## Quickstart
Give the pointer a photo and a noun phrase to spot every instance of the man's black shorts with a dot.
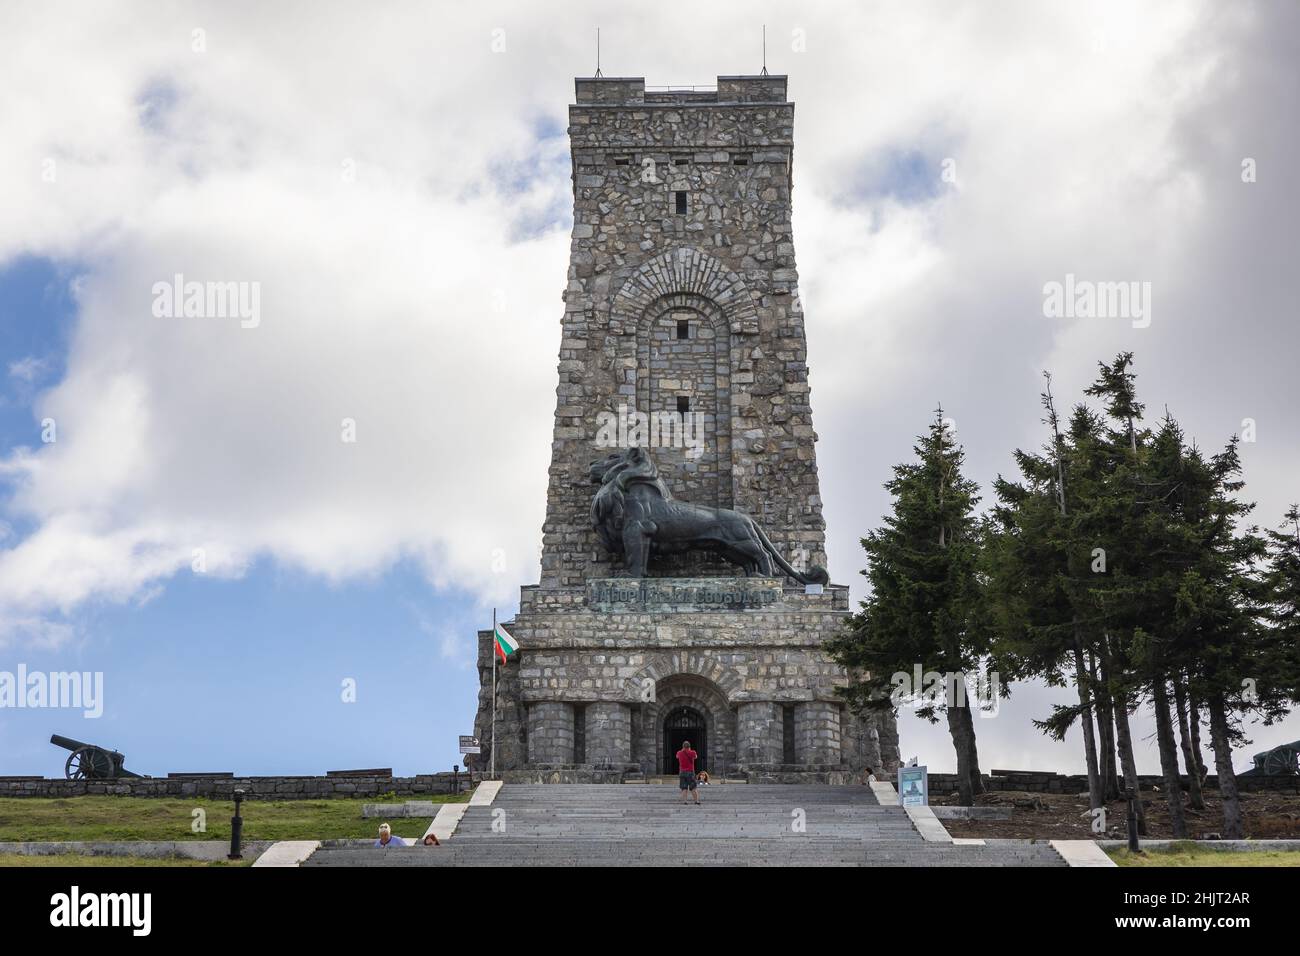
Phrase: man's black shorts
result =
(686, 780)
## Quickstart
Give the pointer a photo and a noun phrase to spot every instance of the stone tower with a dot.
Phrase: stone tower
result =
(681, 306)
(682, 214)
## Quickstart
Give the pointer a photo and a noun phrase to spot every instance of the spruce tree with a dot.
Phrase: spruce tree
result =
(1236, 660)
(1281, 597)
(1038, 564)
(924, 610)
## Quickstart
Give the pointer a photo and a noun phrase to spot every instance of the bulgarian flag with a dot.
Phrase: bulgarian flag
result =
(506, 644)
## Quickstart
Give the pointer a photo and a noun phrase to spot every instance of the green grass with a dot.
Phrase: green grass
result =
(73, 859)
(1190, 854)
(30, 819)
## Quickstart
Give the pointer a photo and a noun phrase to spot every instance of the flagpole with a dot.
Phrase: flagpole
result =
(493, 758)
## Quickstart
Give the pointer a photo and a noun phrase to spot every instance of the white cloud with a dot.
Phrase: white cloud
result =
(373, 173)
(380, 245)
(27, 369)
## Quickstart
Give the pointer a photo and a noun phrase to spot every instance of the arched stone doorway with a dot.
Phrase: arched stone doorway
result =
(682, 724)
(691, 702)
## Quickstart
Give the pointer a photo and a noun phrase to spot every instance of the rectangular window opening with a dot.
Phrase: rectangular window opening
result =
(787, 734)
(683, 329)
(579, 733)
(683, 404)
(681, 203)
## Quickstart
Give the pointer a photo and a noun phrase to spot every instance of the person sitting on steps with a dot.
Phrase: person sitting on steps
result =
(386, 839)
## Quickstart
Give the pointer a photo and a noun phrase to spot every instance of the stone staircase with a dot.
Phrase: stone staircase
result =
(645, 825)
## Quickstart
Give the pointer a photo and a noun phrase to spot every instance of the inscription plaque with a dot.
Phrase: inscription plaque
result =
(666, 595)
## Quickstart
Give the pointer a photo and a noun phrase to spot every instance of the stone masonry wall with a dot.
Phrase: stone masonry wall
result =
(760, 726)
(609, 734)
(638, 266)
(1030, 781)
(736, 667)
(817, 732)
(550, 732)
(255, 788)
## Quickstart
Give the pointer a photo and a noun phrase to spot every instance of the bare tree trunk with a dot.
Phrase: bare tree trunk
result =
(1125, 739)
(1112, 713)
(957, 729)
(1194, 724)
(1110, 764)
(1194, 795)
(972, 751)
(1105, 730)
(1221, 741)
(1095, 798)
(1168, 757)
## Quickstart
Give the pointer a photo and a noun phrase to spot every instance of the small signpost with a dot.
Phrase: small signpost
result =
(913, 786)
(470, 745)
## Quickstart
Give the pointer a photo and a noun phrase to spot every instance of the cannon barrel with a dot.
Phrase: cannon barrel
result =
(67, 743)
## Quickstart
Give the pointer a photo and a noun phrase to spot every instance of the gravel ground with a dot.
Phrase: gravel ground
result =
(1269, 816)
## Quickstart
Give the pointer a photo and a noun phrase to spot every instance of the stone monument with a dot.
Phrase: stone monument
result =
(682, 594)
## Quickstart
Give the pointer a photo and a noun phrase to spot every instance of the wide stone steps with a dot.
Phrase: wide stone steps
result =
(646, 825)
(697, 852)
(731, 794)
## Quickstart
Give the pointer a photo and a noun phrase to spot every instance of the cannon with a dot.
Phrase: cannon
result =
(1281, 761)
(90, 762)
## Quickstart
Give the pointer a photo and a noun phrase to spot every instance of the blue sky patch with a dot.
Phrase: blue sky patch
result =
(37, 314)
(155, 104)
(907, 176)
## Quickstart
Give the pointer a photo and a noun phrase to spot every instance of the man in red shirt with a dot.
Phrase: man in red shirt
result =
(686, 772)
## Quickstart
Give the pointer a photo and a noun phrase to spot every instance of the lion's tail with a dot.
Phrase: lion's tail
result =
(816, 574)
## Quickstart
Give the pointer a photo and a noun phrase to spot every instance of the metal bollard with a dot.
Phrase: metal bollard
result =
(1132, 821)
(236, 829)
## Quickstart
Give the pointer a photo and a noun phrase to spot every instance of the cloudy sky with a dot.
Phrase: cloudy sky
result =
(394, 178)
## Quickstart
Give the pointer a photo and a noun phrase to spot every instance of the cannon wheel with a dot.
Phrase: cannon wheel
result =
(87, 763)
(1279, 762)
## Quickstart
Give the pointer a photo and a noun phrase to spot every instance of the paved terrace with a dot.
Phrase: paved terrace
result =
(645, 825)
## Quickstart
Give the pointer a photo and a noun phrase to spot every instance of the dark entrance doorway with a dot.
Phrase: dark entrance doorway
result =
(682, 724)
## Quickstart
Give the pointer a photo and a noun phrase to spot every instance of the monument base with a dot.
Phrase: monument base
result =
(611, 678)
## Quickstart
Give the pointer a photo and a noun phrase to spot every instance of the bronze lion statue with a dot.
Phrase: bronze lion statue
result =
(636, 515)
